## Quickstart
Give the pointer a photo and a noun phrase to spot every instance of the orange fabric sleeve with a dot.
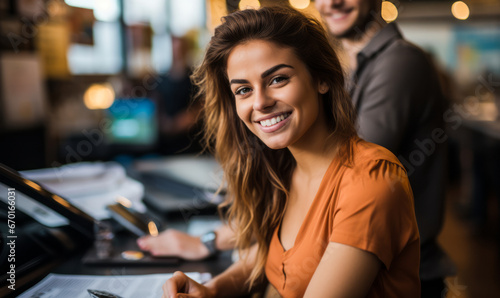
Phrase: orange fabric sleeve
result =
(374, 211)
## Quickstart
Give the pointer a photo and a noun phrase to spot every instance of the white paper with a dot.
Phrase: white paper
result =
(80, 179)
(126, 286)
(91, 186)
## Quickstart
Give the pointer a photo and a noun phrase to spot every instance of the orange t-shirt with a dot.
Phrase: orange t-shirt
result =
(368, 205)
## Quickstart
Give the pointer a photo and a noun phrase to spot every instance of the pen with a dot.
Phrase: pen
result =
(101, 294)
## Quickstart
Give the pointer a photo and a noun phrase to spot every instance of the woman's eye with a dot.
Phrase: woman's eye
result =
(242, 91)
(279, 79)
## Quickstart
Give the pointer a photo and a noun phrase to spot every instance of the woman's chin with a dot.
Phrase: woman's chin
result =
(276, 146)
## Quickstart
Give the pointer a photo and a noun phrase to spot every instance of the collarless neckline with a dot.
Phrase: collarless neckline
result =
(296, 241)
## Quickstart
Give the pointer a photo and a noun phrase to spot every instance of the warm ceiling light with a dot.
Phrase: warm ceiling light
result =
(99, 96)
(389, 11)
(245, 4)
(299, 4)
(88, 4)
(460, 10)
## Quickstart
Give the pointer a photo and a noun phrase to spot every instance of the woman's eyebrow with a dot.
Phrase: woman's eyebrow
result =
(237, 81)
(263, 75)
(273, 69)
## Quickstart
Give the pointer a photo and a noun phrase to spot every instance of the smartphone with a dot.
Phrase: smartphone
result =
(131, 220)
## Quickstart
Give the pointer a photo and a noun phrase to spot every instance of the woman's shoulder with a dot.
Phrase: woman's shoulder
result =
(372, 161)
(375, 175)
(365, 153)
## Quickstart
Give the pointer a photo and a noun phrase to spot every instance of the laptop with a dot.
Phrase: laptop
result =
(183, 184)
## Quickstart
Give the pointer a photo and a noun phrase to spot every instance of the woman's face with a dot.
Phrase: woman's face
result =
(276, 96)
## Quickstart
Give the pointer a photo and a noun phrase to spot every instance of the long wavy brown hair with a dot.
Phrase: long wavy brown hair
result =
(258, 178)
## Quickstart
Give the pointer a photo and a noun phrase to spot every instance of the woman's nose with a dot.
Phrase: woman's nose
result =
(262, 101)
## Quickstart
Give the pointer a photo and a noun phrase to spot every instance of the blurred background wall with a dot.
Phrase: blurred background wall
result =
(64, 64)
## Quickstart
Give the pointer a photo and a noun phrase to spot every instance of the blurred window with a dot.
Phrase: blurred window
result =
(149, 26)
(187, 15)
(103, 57)
(96, 45)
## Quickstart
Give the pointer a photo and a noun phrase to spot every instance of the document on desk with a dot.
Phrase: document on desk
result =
(126, 286)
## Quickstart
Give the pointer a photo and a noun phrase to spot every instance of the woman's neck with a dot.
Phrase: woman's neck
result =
(314, 155)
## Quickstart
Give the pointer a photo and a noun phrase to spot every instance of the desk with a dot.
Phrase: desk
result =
(40, 250)
(73, 265)
(57, 262)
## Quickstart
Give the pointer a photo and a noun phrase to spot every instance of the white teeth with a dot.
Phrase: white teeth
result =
(273, 121)
(338, 15)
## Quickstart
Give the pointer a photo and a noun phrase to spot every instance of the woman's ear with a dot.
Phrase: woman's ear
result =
(323, 87)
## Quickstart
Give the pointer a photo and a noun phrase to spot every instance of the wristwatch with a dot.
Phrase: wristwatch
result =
(208, 239)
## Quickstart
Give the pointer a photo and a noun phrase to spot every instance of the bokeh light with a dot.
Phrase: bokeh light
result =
(460, 10)
(299, 4)
(389, 11)
(99, 96)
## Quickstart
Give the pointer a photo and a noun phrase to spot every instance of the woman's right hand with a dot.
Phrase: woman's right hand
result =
(180, 285)
(174, 243)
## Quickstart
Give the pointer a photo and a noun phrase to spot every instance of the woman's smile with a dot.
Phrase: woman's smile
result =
(274, 123)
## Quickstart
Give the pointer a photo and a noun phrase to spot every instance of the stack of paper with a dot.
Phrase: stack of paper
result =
(90, 186)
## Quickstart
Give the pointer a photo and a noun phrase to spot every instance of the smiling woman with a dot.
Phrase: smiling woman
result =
(315, 209)
(275, 95)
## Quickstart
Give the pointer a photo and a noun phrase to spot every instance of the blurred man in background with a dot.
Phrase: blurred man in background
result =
(400, 106)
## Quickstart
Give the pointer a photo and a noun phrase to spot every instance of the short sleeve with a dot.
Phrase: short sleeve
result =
(374, 211)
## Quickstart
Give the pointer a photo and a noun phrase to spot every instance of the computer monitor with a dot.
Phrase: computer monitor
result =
(133, 123)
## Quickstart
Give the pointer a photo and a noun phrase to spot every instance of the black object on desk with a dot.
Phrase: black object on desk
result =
(181, 184)
(28, 190)
(42, 227)
(133, 221)
(101, 294)
(168, 195)
(45, 229)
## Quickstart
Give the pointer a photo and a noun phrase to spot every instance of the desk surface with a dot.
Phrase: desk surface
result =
(74, 264)
(53, 242)
(214, 266)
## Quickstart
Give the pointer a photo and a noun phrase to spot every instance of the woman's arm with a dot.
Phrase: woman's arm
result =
(172, 242)
(344, 271)
(230, 283)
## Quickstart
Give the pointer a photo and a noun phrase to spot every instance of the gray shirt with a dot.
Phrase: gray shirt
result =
(400, 106)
